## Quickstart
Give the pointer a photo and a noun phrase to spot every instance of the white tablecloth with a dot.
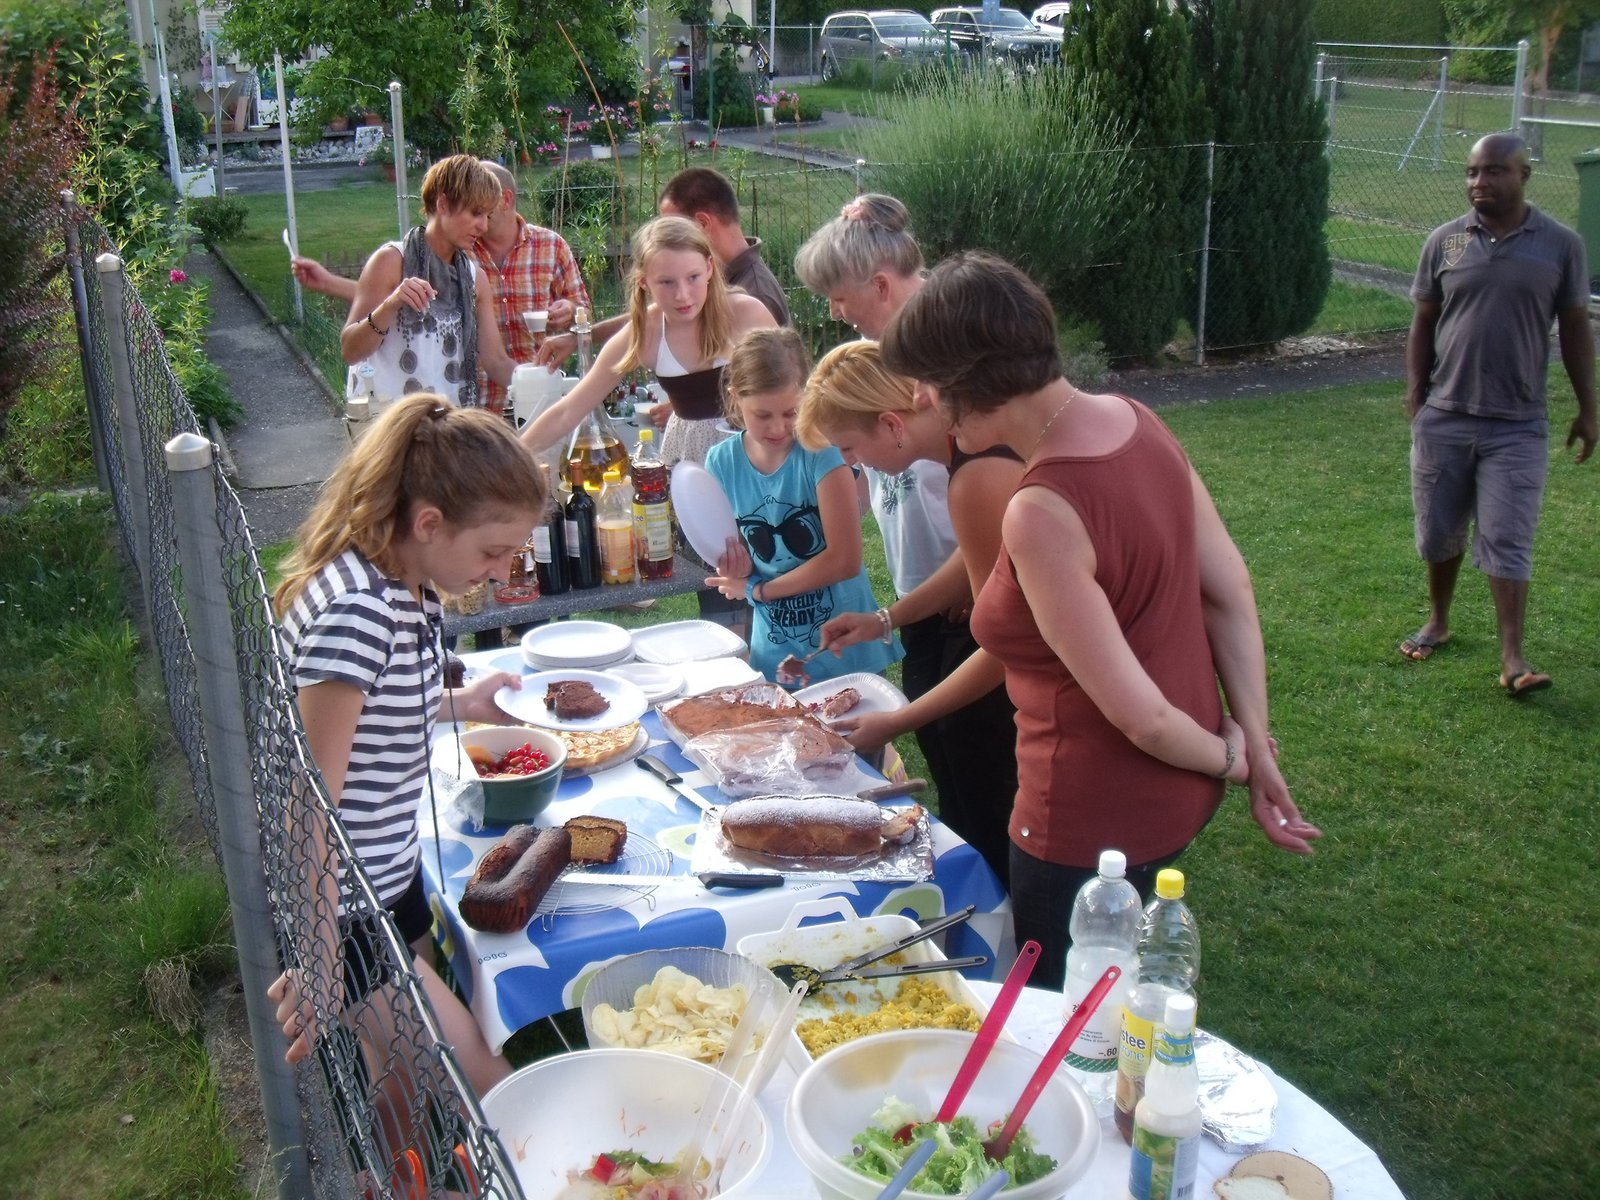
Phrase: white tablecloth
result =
(1304, 1127)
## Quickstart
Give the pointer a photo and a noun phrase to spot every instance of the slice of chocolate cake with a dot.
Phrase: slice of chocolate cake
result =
(575, 700)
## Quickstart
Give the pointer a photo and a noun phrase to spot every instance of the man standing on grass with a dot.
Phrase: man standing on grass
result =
(1487, 288)
(532, 269)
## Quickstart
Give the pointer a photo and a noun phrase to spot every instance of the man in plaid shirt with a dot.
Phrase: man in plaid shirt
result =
(532, 269)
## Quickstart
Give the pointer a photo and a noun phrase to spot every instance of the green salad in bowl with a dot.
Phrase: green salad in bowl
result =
(958, 1164)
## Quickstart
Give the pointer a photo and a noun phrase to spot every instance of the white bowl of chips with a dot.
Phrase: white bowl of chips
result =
(682, 1000)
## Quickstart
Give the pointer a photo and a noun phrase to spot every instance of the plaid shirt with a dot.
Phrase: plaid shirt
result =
(540, 268)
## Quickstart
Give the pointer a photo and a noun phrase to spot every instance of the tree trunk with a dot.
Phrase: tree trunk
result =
(1539, 79)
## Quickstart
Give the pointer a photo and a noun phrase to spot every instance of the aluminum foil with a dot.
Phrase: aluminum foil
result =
(1237, 1101)
(908, 862)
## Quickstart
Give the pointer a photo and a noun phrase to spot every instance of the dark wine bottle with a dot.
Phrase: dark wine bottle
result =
(583, 540)
(550, 546)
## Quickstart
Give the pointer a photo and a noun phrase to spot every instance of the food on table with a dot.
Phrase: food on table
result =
(729, 708)
(625, 1175)
(521, 760)
(807, 827)
(596, 839)
(1274, 1175)
(958, 1164)
(775, 753)
(591, 748)
(917, 1003)
(575, 700)
(513, 877)
(677, 1013)
(837, 704)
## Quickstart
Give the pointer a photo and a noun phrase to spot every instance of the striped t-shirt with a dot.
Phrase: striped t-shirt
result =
(351, 624)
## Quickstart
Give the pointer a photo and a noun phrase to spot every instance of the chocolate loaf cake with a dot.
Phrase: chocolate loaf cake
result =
(513, 877)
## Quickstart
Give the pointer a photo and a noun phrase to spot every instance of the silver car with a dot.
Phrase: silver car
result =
(894, 35)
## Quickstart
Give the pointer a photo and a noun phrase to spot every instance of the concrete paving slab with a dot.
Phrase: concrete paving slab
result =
(287, 455)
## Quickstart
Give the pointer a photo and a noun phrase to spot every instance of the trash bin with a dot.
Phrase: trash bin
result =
(1588, 166)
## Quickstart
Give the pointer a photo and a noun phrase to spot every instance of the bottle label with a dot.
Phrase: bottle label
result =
(541, 544)
(1133, 1058)
(1095, 1049)
(573, 551)
(1176, 1049)
(652, 528)
(1163, 1167)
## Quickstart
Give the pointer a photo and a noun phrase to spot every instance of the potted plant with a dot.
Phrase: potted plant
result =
(767, 107)
(381, 153)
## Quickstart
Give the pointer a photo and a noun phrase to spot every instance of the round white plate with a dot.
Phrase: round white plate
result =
(534, 662)
(658, 683)
(576, 643)
(527, 705)
(703, 510)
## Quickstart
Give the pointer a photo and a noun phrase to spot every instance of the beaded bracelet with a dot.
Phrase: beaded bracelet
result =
(887, 635)
(373, 325)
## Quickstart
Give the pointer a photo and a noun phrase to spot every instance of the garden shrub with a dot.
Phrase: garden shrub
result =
(957, 140)
(217, 218)
(586, 191)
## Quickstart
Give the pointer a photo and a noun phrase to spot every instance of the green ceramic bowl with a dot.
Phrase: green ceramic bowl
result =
(512, 799)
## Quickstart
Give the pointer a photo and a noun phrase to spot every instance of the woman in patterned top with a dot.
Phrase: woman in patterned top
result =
(431, 496)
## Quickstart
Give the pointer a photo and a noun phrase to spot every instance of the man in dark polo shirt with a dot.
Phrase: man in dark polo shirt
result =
(1488, 286)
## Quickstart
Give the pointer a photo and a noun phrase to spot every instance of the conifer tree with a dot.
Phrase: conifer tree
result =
(1136, 55)
(1268, 268)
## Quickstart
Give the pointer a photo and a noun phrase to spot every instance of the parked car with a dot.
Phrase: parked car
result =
(863, 36)
(1056, 18)
(1009, 37)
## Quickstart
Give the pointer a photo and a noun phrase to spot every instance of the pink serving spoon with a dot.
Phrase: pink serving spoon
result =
(989, 1031)
(996, 1147)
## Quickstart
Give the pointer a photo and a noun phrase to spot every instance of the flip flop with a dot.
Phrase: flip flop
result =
(1519, 685)
(1419, 647)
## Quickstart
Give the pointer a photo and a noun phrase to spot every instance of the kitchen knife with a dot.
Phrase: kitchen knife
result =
(710, 879)
(649, 762)
(888, 791)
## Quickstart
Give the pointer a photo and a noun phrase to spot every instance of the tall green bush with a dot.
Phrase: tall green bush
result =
(1135, 55)
(1401, 22)
(1031, 168)
(1268, 266)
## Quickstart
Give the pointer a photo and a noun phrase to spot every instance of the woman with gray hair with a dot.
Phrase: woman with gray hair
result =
(868, 264)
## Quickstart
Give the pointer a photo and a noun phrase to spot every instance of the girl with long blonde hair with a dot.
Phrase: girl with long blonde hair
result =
(683, 323)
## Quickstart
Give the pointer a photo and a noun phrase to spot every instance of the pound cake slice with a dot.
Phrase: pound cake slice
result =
(596, 839)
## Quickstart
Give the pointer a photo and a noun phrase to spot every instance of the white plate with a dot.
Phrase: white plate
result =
(677, 642)
(877, 693)
(708, 676)
(658, 683)
(527, 705)
(703, 510)
(575, 643)
(535, 662)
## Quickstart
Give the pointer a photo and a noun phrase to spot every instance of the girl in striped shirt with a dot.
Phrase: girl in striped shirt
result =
(431, 496)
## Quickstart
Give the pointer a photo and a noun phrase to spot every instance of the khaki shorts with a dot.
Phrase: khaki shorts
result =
(1481, 471)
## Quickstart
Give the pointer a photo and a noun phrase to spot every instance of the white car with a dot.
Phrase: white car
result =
(1056, 18)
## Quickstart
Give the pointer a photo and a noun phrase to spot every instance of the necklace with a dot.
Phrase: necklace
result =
(1038, 441)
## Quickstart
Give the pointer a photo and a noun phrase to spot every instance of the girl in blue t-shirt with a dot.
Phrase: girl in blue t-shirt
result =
(797, 558)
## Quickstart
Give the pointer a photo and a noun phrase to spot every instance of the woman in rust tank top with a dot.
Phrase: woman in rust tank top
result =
(1117, 605)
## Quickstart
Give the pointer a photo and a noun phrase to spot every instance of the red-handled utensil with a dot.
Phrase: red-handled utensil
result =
(996, 1147)
(989, 1031)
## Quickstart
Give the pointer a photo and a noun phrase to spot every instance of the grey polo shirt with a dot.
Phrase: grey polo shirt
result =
(754, 276)
(1497, 300)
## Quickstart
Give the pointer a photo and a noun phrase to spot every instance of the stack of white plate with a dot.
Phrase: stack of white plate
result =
(679, 642)
(576, 645)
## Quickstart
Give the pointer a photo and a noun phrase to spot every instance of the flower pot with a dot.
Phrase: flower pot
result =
(372, 118)
(339, 124)
(388, 172)
(768, 115)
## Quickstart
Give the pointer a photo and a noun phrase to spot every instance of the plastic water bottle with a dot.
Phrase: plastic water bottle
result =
(1105, 932)
(1166, 1125)
(1169, 965)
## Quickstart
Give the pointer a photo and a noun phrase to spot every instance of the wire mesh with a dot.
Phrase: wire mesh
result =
(387, 1109)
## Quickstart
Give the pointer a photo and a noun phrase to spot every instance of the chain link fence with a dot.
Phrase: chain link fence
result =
(380, 1107)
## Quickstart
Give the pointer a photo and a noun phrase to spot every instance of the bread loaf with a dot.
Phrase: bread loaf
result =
(513, 877)
(797, 827)
(596, 839)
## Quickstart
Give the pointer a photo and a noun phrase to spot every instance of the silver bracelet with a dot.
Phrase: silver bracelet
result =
(1233, 756)
(888, 626)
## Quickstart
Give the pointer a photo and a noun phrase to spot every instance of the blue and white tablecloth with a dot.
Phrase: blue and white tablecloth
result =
(511, 980)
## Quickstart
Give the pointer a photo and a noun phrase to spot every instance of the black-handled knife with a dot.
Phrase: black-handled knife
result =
(649, 762)
(710, 879)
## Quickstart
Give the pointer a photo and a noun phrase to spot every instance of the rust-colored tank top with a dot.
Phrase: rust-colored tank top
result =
(1082, 786)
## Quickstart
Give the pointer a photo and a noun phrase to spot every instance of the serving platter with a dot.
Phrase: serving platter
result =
(908, 862)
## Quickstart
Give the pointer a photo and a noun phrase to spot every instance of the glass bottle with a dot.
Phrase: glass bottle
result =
(652, 511)
(614, 526)
(521, 583)
(550, 545)
(583, 548)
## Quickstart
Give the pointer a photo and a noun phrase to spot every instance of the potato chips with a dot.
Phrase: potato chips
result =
(676, 1013)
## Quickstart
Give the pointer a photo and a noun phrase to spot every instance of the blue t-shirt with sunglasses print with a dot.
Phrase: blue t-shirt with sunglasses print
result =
(781, 525)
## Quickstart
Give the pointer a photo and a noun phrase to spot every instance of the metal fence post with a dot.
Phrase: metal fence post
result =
(1518, 86)
(861, 175)
(398, 125)
(113, 283)
(1333, 105)
(1205, 260)
(228, 759)
(1438, 116)
(80, 319)
(1322, 70)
